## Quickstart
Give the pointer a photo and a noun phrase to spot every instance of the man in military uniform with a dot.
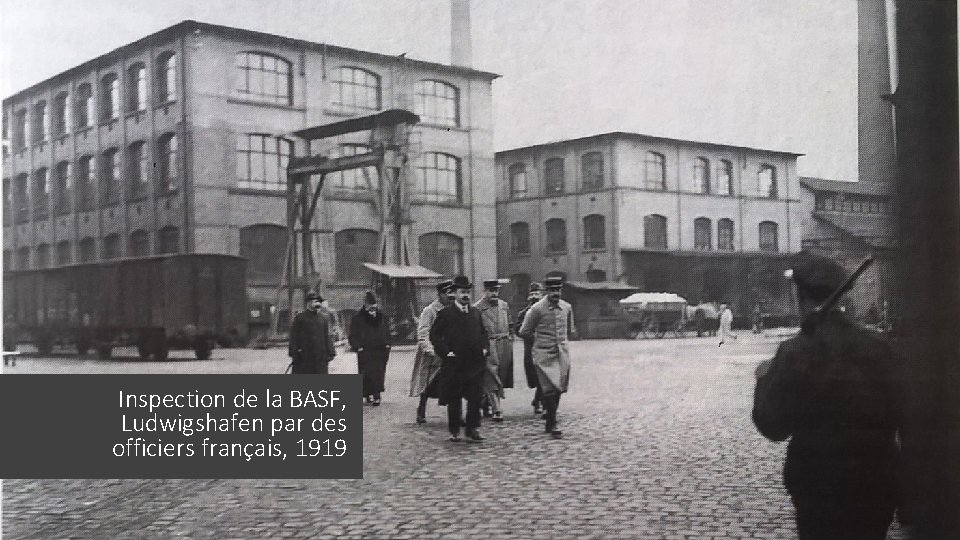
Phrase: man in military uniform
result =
(311, 343)
(833, 390)
(535, 293)
(495, 314)
(549, 322)
(426, 364)
(460, 340)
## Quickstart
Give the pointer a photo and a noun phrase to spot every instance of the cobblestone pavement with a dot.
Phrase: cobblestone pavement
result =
(658, 444)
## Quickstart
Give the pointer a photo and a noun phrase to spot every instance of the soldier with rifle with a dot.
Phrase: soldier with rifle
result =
(833, 391)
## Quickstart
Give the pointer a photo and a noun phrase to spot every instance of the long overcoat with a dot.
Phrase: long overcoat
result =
(496, 319)
(371, 334)
(529, 370)
(834, 392)
(311, 346)
(550, 325)
(426, 364)
(463, 335)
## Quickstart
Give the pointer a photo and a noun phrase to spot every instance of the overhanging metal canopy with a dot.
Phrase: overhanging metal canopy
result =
(413, 271)
(390, 117)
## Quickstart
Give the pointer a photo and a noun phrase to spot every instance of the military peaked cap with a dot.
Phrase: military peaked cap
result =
(817, 275)
(491, 284)
(444, 285)
(553, 282)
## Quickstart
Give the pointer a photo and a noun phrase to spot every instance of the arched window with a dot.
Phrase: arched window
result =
(168, 240)
(110, 177)
(264, 246)
(442, 252)
(553, 176)
(725, 234)
(655, 232)
(556, 236)
(21, 197)
(724, 178)
(354, 179)
(88, 250)
(64, 252)
(111, 246)
(86, 186)
(166, 77)
(518, 180)
(40, 130)
(352, 248)
(264, 77)
(701, 175)
(136, 87)
(84, 106)
(61, 114)
(109, 97)
(519, 238)
(655, 173)
(767, 181)
(43, 256)
(139, 244)
(41, 193)
(594, 232)
(355, 89)
(439, 178)
(23, 258)
(436, 102)
(167, 177)
(702, 234)
(138, 169)
(768, 236)
(262, 161)
(591, 168)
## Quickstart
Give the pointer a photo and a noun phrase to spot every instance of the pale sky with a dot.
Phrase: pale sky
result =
(774, 74)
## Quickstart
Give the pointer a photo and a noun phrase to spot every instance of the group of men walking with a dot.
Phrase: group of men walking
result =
(465, 352)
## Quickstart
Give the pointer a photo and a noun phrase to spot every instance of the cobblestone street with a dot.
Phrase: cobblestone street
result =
(658, 444)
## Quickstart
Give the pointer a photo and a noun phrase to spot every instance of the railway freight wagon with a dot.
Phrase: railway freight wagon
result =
(156, 303)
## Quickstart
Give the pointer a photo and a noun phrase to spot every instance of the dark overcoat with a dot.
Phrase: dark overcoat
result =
(311, 345)
(835, 393)
(370, 338)
(463, 335)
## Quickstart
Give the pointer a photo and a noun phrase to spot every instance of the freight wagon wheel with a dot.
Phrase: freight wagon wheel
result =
(143, 349)
(44, 346)
(83, 346)
(160, 349)
(104, 351)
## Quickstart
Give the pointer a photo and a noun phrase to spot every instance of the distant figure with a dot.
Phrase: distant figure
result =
(311, 344)
(534, 295)
(834, 391)
(550, 323)
(726, 323)
(757, 320)
(10, 337)
(459, 338)
(495, 314)
(369, 337)
(424, 382)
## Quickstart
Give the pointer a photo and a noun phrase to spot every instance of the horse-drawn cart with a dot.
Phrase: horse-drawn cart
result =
(654, 315)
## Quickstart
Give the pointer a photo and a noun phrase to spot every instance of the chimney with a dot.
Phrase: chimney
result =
(460, 50)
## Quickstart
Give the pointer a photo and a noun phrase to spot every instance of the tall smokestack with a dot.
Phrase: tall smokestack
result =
(875, 114)
(460, 49)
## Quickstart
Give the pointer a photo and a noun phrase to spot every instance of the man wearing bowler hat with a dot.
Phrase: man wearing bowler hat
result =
(833, 391)
(534, 294)
(426, 364)
(549, 322)
(460, 340)
(311, 344)
(495, 314)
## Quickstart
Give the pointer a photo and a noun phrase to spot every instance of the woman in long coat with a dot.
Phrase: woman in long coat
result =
(369, 337)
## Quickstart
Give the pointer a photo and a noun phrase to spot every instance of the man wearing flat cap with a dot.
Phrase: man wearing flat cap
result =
(311, 345)
(549, 322)
(426, 364)
(460, 340)
(833, 391)
(495, 314)
(534, 294)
